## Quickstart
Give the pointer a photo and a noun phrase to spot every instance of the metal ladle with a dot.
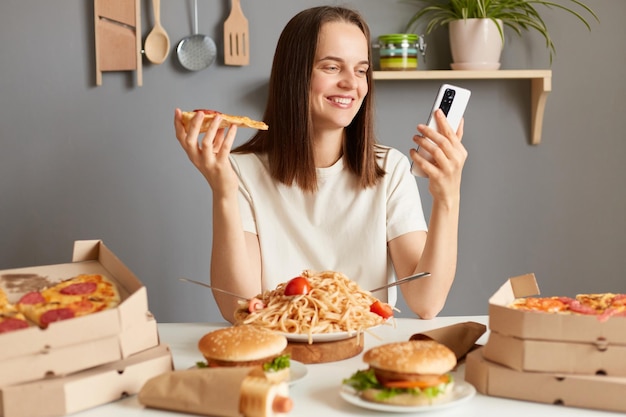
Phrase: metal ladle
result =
(196, 52)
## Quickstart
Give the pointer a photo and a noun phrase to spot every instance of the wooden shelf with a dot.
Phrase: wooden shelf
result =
(540, 86)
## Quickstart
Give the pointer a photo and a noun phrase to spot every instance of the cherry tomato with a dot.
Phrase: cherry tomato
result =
(298, 286)
(383, 310)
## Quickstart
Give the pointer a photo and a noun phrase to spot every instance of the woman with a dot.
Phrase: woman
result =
(316, 191)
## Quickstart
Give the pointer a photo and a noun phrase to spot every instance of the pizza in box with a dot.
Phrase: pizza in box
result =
(601, 305)
(74, 297)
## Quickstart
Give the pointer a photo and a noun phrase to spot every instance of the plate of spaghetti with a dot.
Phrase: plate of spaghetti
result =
(332, 308)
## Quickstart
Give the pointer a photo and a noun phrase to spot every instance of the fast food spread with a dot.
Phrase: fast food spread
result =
(78, 296)
(602, 305)
(313, 303)
(406, 373)
(227, 120)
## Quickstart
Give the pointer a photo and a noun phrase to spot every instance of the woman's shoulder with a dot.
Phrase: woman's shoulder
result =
(389, 156)
(248, 159)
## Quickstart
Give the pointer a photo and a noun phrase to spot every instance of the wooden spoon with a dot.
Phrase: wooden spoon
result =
(157, 44)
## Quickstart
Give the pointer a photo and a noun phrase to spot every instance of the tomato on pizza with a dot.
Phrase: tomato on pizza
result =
(227, 120)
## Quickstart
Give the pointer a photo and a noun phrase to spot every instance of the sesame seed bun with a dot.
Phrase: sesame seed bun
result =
(241, 345)
(425, 357)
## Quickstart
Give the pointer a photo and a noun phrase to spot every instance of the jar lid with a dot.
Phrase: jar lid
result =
(398, 38)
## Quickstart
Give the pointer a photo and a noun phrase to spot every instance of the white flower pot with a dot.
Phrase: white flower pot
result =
(475, 44)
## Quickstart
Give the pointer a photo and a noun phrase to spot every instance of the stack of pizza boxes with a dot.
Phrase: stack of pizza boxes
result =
(567, 359)
(82, 362)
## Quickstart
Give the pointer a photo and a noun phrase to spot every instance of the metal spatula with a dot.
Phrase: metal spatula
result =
(236, 37)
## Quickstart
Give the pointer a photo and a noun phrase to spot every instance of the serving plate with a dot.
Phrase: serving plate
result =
(319, 337)
(461, 392)
(297, 371)
(325, 337)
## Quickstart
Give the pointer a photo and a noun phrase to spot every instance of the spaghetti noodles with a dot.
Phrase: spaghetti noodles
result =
(334, 304)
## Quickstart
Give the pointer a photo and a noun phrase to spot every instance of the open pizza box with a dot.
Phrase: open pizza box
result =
(552, 342)
(58, 396)
(544, 326)
(584, 391)
(79, 343)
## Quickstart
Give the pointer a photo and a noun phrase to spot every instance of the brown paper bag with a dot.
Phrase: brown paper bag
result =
(210, 391)
(222, 392)
(460, 338)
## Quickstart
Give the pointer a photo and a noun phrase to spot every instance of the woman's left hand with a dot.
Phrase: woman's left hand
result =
(448, 154)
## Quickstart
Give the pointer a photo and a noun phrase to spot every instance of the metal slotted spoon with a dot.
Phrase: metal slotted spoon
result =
(196, 52)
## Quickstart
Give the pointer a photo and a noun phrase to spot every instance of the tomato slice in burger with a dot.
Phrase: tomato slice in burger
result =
(424, 383)
(383, 310)
(298, 286)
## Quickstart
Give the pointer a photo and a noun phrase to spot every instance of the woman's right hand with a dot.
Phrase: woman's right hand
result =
(209, 154)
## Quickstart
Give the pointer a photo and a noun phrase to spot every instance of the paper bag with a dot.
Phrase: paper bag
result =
(460, 338)
(220, 392)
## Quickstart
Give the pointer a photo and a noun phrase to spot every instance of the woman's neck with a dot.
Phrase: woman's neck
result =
(328, 148)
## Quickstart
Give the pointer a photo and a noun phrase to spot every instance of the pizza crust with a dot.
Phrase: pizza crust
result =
(227, 120)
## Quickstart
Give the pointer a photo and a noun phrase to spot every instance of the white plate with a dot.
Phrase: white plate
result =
(297, 371)
(319, 337)
(324, 337)
(461, 392)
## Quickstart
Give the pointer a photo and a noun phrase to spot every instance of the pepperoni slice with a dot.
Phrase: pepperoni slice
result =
(33, 297)
(80, 288)
(57, 314)
(11, 323)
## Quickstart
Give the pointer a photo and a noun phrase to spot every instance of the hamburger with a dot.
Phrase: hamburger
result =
(245, 345)
(406, 373)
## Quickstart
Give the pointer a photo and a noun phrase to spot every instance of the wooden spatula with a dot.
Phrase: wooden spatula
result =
(236, 37)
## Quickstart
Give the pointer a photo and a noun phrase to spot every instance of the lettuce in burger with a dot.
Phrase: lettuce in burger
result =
(406, 373)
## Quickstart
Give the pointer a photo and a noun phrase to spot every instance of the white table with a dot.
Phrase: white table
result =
(317, 394)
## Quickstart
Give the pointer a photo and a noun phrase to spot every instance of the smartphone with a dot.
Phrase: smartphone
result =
(453, 101)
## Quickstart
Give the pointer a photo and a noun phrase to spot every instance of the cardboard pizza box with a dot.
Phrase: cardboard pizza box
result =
(583, 391)
(60, 361)
(73, 345)
(58, 396)
(547, 326)
(595, 358)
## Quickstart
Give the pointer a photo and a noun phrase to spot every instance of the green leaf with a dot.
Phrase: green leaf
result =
(278, 363)
(518, 15)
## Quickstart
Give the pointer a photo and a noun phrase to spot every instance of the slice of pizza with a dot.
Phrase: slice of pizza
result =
(227, 120)
(544, 304)
(75, 297)
(10, 318)
(87, 293)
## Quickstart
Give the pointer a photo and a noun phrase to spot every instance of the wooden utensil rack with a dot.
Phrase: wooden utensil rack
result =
(117, 26)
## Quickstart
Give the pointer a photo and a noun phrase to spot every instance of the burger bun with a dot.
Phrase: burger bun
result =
(245, 345)
(424, 357)
(241, 345)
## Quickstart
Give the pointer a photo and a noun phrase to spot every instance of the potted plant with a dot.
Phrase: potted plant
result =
(486, 19)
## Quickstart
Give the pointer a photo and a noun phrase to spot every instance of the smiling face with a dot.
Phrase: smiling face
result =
(339, 77)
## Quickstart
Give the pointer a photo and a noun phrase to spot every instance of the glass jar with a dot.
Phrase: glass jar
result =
(398, 51)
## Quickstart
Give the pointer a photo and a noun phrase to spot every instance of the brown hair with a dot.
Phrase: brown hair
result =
(288, 142)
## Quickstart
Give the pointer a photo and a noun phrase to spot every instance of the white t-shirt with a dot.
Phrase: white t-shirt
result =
(341, 227)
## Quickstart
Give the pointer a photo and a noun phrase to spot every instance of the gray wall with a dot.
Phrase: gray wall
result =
(84, 162)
